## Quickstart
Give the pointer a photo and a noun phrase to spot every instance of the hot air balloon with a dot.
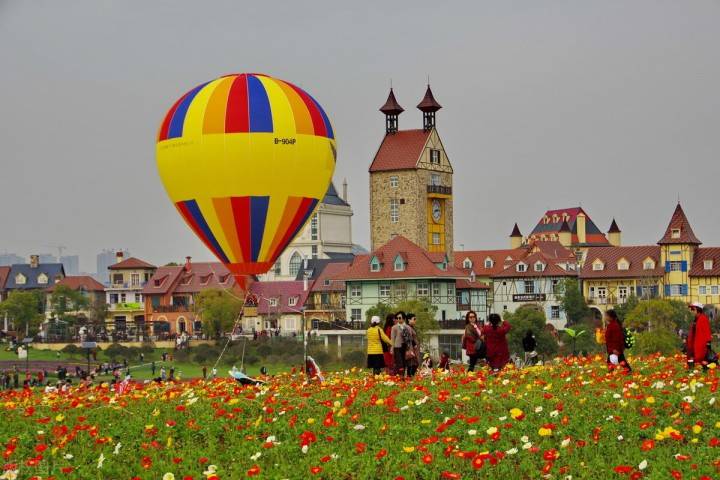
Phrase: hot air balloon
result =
(246, 158)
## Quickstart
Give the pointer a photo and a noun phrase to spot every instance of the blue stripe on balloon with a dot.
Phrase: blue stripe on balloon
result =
(258, 215)
(260, 112)
(197, 215)
(326, 120)
(176, 124)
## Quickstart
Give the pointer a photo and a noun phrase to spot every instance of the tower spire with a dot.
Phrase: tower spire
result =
(392, 110)
(428, 105)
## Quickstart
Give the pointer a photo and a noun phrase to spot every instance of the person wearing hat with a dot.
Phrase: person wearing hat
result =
(375, 339)
(699, 336)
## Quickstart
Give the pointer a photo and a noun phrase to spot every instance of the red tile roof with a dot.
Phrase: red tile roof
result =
(328, 275)
(698, 266)
(130, 263)
(428, 103)
(4, 272)
(400, 150)
(201, 276)
(391, 106)
(283, 292)
(499, 258)
(79, 282)
(551, 268)
(465, 284)
(553, 249)
(679, 221)
(593, 235)
(610, 256)
(418, 263)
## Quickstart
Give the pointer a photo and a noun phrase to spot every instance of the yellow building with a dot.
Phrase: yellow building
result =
(411, 182)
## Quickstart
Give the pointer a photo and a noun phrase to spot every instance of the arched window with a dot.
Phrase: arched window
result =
(295, 263)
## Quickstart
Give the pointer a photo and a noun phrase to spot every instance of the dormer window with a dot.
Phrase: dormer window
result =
(521, 267)
(435, 157)
(42, 279)
(224, 278)
(707, 264)
(399, 264)
(489, 262)
(186, 280)
(326, 282)
(467, 263)
(539, 266)
(555, 218)
(598, 265)
(648, 264)
(508, 258)
(273, 302)
(374, 265)
(623, 264)
(20, 279)
(292, 301)
(205, 280)
(675, 233)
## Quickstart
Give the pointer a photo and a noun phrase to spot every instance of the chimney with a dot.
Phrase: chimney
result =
(188, 264)
(34, 261)
(580, 227)
(305, 283)
(345, 197)
(119, 256)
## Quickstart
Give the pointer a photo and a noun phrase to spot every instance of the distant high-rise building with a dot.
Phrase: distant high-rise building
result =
(7, 259)
(48, 258)
(104, 260)
(71, 263)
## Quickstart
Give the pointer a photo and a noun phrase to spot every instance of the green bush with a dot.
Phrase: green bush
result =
(524, 319)
(657, 341)
(148, 348)
(72, 349)
(115, 351)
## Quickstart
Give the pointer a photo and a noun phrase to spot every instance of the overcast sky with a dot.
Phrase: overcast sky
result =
(614, 105)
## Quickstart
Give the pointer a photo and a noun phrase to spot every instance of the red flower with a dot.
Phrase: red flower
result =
(427, 459)
(146, 462)
(325, 459)
(40, 448)
(623, 469)
(478, 462)
(176, 460)
(647, 445)
(252, 471)
(66, 469)
(360, 447)
(315, 470)
(450, 475)
(676, 475)
(551, 454)
(203, 460)
(382, 453)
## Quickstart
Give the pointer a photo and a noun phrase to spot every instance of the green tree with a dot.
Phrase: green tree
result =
(623, 309)
(24, 309)
(218, 310)
(98, 313)
(660, 341)
(425, 314)
(381, 310)
(572, 301)
(66, 303)
(652, 315)
(530, 318)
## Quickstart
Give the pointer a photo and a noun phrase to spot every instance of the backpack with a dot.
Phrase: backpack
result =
(629, 338)
(406, 336)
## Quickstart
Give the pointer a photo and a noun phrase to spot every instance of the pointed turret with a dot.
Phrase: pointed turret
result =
(429, 106)
(679, 230)
(391, 109)
(614, 234)
(515, 237)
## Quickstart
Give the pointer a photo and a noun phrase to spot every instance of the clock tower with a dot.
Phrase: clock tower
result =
(411, 182)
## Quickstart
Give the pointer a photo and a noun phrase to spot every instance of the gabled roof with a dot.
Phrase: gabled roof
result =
(54, 271)
(679, 221)
(332, 198)
(553, 249)
(400, 150)
(499, 258)
(698, 267)
(610, 256)
(80, 282)
(282, 291)
(327, 282)
(4, 272)
(131, 263)
(418, 263)
(551, 268)
(593, 235)
(201, 276)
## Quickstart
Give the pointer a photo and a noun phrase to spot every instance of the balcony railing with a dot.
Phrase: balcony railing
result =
(440, 189)
(125, 285)
(324, 306)
(125, 306)
(170, 308)
(451, 324)
(342, 326)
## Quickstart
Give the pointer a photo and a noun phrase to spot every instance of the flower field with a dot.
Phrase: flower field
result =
(570, 419)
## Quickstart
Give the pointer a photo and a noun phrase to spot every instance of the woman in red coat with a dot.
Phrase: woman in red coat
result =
(699, 336)
(498, 354)
(615, 341)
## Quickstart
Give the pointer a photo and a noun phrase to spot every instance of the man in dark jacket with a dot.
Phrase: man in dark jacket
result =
(615, 341)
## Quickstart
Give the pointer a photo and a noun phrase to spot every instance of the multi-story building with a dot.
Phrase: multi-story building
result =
(126, 306)
(91, 289)
(103, 261)
(328, 235)
(7, 259)
(398, 271)
(4, 273)
(326, 302)
(71, 264)
(34, 275)
(411, 183)
(277, 305)
(572, 227)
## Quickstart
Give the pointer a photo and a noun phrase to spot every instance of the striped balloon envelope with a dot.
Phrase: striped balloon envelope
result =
(246, 158)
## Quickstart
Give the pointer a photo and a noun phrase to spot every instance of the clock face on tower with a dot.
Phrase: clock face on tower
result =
(436, 211)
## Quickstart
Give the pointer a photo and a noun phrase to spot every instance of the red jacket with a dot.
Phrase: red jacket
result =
(498, 353)
(698, 338)
(614, 337)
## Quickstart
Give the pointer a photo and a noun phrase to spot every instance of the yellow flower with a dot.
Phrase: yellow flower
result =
(544, 432)
(310, 421)
(168, 476)
(717, 424)
(408, 449)
(696, 429)
(516, 413)
(149, 427)
(650, 399)
(712, 366)
(155, 412)
(491, 430)
(426, 421)
(169, 442)
(60, 418)
(380, 401)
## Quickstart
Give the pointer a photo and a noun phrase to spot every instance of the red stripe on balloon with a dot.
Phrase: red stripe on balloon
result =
(241, 214)
(317, 120)
(237, 116)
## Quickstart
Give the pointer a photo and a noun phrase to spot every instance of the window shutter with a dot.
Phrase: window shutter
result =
(684, 288)
(684, 266)
(639, 292)
(654, 291)
(667, 290)
(667, 266)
